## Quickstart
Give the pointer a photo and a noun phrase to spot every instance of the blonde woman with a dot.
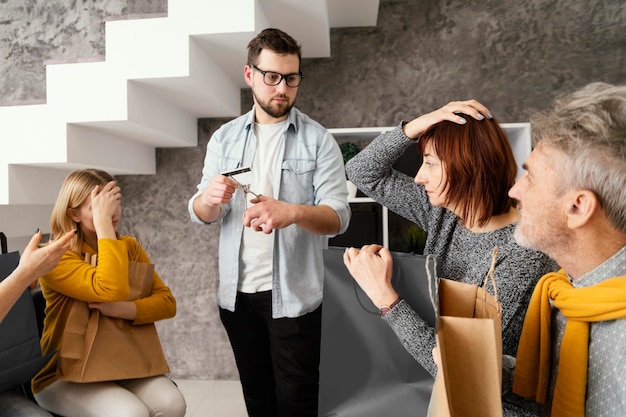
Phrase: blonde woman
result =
(90, 202)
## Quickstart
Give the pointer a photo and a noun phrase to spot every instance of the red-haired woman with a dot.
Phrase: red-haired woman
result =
(460, 198)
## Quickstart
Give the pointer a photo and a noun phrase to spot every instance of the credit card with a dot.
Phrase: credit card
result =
(236, 171)
(241, 175)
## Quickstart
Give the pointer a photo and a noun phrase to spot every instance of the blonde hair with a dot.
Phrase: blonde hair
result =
(76, 187)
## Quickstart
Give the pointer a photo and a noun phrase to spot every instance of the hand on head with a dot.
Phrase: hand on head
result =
(450, 112)
(106, 199)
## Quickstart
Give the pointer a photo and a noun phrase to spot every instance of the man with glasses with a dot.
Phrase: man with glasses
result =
(273, 230)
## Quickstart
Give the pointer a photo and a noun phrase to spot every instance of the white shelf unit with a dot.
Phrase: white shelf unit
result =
(518, 134)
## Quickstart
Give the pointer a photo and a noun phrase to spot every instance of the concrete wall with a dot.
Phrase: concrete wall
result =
(513, 56)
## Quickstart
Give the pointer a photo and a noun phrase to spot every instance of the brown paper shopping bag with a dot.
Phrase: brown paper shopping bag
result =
(100, 348)
(469, 337)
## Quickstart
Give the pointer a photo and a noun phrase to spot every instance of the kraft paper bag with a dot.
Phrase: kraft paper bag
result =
(469, 337)
(20, 351)
(100, 348)
(364, 369)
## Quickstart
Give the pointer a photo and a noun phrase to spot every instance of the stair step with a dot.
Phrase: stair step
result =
(160, 74)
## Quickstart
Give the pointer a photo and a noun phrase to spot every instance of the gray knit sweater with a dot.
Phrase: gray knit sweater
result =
(461, 255)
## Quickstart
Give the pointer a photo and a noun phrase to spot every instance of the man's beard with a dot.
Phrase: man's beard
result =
(274, 112)
(546, 236)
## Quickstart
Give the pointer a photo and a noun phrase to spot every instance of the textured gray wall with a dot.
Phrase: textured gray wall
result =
(33, 32)
(513, 56)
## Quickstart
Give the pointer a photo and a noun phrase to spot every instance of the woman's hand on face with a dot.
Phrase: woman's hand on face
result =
(105, 201)
(371, 267)
(106, 209)
(448, 112)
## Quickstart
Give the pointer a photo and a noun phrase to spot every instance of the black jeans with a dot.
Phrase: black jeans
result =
(278, 359)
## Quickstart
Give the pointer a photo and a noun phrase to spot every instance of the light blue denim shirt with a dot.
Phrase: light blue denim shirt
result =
(311, 173)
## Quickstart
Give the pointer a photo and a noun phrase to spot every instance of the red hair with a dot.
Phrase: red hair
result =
(480, 167)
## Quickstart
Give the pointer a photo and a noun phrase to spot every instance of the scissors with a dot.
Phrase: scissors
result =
(232, 173)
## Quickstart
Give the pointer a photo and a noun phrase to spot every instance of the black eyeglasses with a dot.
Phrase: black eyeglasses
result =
(274, 78)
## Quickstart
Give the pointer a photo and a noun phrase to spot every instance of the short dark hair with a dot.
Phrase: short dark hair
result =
(480, 167)
(275, 40)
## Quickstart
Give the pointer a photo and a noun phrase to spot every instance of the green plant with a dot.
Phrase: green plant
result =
(415, 239)
(348, 151)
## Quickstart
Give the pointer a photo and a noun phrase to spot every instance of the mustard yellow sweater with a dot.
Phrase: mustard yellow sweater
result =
(74, 278)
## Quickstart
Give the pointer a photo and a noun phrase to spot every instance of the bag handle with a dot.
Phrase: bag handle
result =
(433, 281)
(490, 273)
(91, 259)
(3, 242)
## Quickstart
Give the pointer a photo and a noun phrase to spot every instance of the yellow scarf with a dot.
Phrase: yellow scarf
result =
(600, 302)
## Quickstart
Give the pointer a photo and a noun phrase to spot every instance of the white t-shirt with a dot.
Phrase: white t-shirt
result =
(257, 248)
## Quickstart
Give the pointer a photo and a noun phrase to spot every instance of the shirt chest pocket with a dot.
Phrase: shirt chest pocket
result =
(229, 164)
(297, 181)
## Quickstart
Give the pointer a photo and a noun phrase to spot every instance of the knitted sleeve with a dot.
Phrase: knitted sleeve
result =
(417, 337)
(371, 170)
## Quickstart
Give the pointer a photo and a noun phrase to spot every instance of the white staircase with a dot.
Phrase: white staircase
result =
(159, 76)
